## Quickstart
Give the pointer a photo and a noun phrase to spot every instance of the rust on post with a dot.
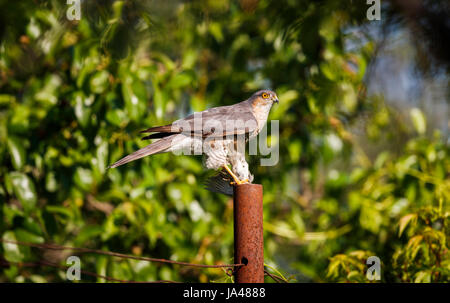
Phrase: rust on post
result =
(248, 233)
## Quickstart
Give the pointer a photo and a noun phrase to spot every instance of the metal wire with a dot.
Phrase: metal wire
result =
(114, 254)
(274, 277)
(88, 273)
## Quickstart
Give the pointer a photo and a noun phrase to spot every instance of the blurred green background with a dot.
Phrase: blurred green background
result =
(364, 141)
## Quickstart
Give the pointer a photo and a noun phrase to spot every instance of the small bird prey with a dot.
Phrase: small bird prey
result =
(219, 133)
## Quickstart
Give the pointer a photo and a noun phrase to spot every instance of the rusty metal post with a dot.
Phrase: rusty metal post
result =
(248, 233)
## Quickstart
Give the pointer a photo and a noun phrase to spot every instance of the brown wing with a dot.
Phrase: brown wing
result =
(220, 121)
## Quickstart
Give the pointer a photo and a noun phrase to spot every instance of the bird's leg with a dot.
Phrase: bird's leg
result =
(243, 181)
(235, 178)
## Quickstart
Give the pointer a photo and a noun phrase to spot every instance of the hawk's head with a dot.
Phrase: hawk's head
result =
(264, 96)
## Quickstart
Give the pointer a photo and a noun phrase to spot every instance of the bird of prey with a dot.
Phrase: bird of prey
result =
(218, 133)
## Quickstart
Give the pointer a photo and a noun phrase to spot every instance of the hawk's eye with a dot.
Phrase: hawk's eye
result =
(265, 95)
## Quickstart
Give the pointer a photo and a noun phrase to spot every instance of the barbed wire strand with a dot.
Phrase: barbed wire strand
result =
(274, 277)
(85, 272)
(230, 267)
(114, 254)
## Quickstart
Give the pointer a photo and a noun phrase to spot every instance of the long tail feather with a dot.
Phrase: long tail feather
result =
(220, 183)
(162, 129)
(157, 136)
(154, 148)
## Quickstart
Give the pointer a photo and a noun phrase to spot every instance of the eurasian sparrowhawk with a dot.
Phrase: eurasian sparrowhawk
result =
(215, 132)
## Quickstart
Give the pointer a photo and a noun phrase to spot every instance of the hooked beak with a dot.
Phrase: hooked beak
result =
(276, 100)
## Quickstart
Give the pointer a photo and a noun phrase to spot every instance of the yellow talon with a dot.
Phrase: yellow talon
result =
(235, 178)
(243, 182)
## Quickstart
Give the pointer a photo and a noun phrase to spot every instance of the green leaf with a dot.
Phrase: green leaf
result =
(179, 81)
(117, 117)
(32, 226)
(88, 232)
(216, 31)
(101, 265)
(99, 82)
(404, 222)
(82, 108)
(83, 178)
(59, 210)
(12, 252)
(418, 120)
(158, 102)
(26, 236)
(423, 277)
(17, 152)
(134, 95)
(48, 94)
(51, 184)
(24, 189)
(102, 156)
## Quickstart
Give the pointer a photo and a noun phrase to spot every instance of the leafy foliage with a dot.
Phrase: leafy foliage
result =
(73, 96)
(402, 218)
